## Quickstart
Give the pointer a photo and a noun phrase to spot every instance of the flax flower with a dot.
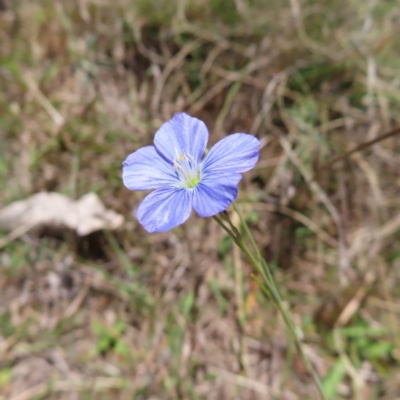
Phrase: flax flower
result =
(182, 177)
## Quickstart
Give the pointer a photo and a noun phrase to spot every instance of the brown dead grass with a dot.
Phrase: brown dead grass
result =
(137, 316)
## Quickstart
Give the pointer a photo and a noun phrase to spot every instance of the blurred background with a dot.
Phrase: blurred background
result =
(93, 307)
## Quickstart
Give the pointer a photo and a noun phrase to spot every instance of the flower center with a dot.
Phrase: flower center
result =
(188, 170)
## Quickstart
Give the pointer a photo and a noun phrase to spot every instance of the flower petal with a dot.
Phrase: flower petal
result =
(235, 153)
(145, 169)
(164, 209)
(182, 134)
(215, 193)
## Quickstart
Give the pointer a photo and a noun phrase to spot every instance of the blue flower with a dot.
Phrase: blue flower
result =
(182, 178)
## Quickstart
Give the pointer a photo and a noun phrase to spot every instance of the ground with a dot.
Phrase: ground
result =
(178, 315)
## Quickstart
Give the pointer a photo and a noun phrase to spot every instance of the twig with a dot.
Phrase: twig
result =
(16, 233)
(351, 308)
(242, 381)
(360, 147)
(57, 118)
(97, 384)
(278, 208)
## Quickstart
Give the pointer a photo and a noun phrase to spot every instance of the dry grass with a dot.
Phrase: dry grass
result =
(176, 315)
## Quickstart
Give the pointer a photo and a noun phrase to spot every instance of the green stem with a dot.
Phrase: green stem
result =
(270, 288)
(226, 229)
(247, 230)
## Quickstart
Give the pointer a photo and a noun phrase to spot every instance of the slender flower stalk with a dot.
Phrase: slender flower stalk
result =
(183, 175)
(268, 284)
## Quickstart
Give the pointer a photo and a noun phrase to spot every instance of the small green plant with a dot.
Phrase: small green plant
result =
(110, 338)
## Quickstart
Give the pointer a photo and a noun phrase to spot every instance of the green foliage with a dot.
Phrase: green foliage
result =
(224, 246)
(252, 217)
(5, 376)
(225, 10)
(303, 231)
(364, 342)
(362, 330)
(377, 350)
(175, 335)
(187, 304)
(333, 378)
(6, 326)
(223, 303)
(159, 12)
(110, 338)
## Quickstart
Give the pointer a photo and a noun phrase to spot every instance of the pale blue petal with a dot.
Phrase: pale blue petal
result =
(182, 134)
(145, 169)
(164, 209)
(215, 193)
(235, 153)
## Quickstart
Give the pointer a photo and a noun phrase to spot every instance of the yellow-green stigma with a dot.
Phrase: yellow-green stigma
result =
(193, 182)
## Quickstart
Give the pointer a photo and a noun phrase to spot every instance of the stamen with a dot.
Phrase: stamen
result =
(188, 170)
(191, 158)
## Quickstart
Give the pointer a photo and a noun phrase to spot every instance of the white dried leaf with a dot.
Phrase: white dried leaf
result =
(86, 215)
